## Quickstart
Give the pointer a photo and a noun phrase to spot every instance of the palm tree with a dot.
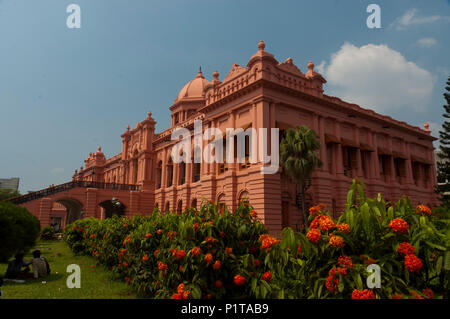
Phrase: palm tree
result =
(299, 158)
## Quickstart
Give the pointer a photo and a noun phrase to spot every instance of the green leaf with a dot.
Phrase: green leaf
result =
(439, 264)
(429, 243)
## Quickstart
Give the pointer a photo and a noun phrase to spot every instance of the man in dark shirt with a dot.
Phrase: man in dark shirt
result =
(15, 271)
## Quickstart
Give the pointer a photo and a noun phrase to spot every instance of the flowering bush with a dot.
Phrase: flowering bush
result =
(211, 252)
(214, 253)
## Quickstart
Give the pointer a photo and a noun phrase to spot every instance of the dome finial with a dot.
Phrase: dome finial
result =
(311, 66)
(199, 74)
(216, 75)
(426, 125)
(261, 45)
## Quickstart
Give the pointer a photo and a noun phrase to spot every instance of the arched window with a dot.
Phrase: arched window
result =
(158, 175)
(243, 196)
(196, 164)
(194, 203)
(169, 173)
(180, 207)
(182, 173)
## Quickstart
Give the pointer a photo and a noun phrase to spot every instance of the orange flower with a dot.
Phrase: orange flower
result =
(229, 251)
(412, 263)
(148, 235)
(186, 294)
(363, 294)
(125, 225)
(428, 293)
(181, 254)
(156, 253)
(424, 210)
(210, 239)
(345, 262)
(195, 226)
(405, 249)
(145, 258)
(345, 228)
(299, 249)
(195, 251)
(239, 280)
(208, 258)
(326, 223)
(253, 213)
(336, 241)
(266, 276)
(314, 210)
(314, 235)
(397, 296)
(180, 269)
(162, 266)
(159, 231)
(180, 288)
(268, 241)
(216, 265)
(218, 284)
(399, 225)
(176, 296)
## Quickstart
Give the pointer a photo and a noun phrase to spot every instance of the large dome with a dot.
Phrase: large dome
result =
(194, 88)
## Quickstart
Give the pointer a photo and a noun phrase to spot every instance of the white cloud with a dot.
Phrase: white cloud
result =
(411, 17)
(321, 67)
(378, 77)
(57, 170)
(426, 42)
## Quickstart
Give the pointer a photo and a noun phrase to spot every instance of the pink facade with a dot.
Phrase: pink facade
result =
(389, 156)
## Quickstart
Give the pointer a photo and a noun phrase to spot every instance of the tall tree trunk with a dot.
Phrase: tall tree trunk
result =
(305, 216)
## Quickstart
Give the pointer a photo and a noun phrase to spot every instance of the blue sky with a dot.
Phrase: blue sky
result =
(64, 92)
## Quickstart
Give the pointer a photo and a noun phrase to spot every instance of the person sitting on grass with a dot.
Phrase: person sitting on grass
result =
(14, 270)
(41, 268)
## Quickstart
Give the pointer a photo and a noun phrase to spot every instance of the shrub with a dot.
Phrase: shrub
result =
(46, 233)
(18, 230)
(214, 253)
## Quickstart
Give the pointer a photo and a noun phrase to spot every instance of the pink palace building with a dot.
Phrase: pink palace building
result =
(389, 156)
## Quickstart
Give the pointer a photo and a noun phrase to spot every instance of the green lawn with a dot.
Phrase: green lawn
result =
(96, 281)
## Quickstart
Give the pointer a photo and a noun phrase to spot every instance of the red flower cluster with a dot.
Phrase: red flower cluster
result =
(363, 294)
(428, 293)
(145, 258)
(253, 213)
(217, 265)
(181, 293)
(314, 235)
(195, 251)
(315, 209)
(345, 228)
(299, 249)
(267, 276)
(399, 225)
(228, 250)
(267, 241)
(336, 241)
(181, 254)
(345, 262)
(208, 258)
(412, 263)
(424, 210)
(405, 249)
(162, 266)
(148, 235)
(332, 283)
(239, 280)
(324, 222)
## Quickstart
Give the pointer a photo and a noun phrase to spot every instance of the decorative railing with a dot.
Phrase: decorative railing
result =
(68, 186)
